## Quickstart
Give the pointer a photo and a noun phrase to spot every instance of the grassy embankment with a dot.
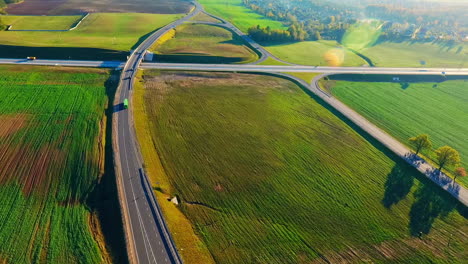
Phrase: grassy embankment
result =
(202, 44)
(99, 36)
(52, 167)
(39, 23)
(266, 174)
(405, 110)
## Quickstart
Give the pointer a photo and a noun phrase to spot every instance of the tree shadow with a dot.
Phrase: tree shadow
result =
(398, 184)
(430, 204)
(404, 85)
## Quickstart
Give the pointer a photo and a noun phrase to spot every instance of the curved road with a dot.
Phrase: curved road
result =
(148, 239)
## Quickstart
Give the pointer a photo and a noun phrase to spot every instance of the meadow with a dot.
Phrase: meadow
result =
(317, 53)
(267, 174)
(198, 43)
(39, 23)
(52, 164)
(413, 54)
(104, 35)
(235, 12)
(408, 109)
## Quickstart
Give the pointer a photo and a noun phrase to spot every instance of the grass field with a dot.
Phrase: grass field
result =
(203, 44)
(267, 174)
(439, 110)
(39, 23)
(52, 166)
(113, 33)
(78, 7)
(317, 53)
(408, 54)
(235, 12)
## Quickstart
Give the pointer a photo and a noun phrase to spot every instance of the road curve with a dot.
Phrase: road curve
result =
(148, 238)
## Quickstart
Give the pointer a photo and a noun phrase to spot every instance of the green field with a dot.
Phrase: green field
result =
(317, 53)
(266, 174)
(114, 32)
(51, 166)
(439, 110)
(203, 44)
(235, 12)
(40, 23)
(205, 17)
(408, 54)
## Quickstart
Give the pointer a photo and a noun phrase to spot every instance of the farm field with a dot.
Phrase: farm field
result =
(405, 110)
(266, 174)
(39, 23)
(317, 53)
(102, 36)
(205, 17)
(202, 44)
(78, 7)
(235, 12)
(52, 167)
(408, 54)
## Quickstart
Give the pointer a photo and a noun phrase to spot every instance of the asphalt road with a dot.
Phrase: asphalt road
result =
(146, 231)
(300, 68)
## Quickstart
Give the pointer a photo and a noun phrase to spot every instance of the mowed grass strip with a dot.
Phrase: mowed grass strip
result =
(203, 44)
(51, 145)
(266, 174)
(100, 30)
(406, 110)
(39, 23)
(235, 12)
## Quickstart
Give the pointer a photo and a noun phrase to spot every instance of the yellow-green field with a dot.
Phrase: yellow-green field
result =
(201, 43)
(40, 22)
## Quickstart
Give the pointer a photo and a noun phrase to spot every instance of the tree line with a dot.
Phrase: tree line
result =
(446, 157)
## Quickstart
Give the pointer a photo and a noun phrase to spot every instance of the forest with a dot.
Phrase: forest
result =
(319, 19)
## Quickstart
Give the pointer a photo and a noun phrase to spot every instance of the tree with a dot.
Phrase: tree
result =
(447, 156)
(420, 142)
(459, 172)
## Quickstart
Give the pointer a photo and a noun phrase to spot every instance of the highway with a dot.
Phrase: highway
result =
(243, 67)
(301, 68)
(148, 239)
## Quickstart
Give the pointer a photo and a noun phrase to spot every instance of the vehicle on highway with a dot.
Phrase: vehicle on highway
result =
(125, 103)
(30, 58)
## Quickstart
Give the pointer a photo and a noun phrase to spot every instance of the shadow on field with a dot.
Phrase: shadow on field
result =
(197, 58)
(7, 51)
(398, 184)
(430, 203)
(104, 199)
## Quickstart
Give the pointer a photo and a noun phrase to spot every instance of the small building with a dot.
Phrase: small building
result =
(148, 56)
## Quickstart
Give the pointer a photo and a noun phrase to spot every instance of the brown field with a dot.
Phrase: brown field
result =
(73, 7)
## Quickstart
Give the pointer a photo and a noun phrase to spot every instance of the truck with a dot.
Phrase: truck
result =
(125, 103)
(30, 58)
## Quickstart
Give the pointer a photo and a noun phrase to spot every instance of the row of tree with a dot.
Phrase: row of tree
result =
(293, 33)
(446, 156)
